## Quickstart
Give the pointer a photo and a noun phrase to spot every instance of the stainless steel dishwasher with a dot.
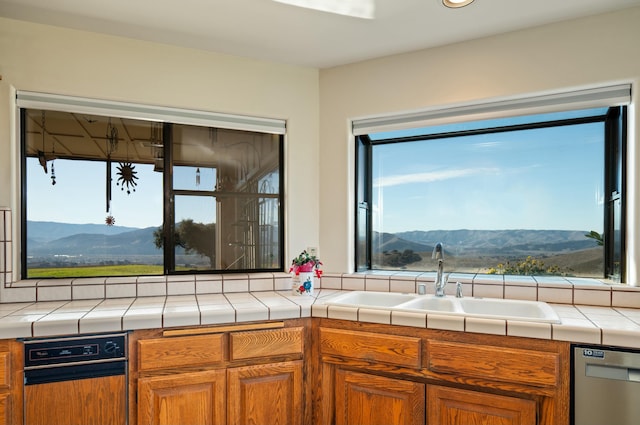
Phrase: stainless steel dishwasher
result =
(605, 386)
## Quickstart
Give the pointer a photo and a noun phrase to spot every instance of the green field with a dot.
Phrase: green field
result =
(96, 271)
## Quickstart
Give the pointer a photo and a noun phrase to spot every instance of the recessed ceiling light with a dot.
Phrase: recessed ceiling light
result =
(355, 8)
(456, 3)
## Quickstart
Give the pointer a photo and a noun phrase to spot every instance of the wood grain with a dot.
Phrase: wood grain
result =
(178, 352)
(220, 329)
(266, 394)
(497, 363)
(366, 399)
(94, 401)
(453, 406)
(197, 398)
(392, 349)
(253, 344)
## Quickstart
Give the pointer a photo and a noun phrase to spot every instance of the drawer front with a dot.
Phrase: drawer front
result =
(273, 342)
(175, 352)
(390, 349)
(494, 363)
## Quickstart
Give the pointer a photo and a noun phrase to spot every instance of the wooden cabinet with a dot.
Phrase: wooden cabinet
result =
(197, 398)
(11, 380)
(366, 399)
(454, 406)
(383, 374)
(266, 394)
(229, 375)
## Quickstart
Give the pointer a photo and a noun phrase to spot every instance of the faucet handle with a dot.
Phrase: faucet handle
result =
(458, 290)
(438, 252)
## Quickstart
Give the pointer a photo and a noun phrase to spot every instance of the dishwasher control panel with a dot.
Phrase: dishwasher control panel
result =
(43, 352)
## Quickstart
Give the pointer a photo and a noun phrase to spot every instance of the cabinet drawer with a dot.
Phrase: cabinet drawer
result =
(511, 365)
(272, 342)
(180, 351)
(391, 349)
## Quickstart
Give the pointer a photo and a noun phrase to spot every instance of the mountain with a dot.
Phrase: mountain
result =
(132, 242)
(63, 239)
(43, 231)
(486, 242)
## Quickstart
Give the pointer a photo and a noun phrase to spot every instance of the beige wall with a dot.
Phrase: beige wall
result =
(582, 53)
(318, 105)
(53, 60)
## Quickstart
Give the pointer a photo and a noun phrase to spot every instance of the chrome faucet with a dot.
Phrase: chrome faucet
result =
(441, 280)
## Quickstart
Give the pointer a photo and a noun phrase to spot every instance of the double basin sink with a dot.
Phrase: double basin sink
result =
(492, 308)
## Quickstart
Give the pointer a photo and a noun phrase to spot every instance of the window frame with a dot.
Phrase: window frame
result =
(615, 122)
(38, 101)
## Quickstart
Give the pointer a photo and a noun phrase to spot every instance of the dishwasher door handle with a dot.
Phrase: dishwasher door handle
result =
(613, 372)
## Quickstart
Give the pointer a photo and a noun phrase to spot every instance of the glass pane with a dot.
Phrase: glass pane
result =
(240, 170)
(74, 228)
(195, 229)
(493, 200)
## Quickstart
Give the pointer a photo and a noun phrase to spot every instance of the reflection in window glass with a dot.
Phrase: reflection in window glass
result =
(234, 175)
(96, 197)
(99, 217)
(195, 228)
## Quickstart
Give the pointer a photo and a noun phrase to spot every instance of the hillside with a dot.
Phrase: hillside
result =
(44, 231)
(465, 250)
(486, 242)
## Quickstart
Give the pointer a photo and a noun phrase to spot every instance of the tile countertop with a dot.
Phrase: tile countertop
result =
(580, 323)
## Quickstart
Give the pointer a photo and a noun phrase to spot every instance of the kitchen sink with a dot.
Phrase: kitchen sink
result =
(509, 309)
(432, 303)
(491, 308)
(371, 299)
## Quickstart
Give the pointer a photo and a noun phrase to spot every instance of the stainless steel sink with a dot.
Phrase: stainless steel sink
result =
(492, 308)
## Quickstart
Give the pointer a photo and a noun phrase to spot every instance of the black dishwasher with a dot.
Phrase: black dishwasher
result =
(80, 380)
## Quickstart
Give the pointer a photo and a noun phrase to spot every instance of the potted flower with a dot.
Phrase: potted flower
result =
(305, 263)
(305, 267)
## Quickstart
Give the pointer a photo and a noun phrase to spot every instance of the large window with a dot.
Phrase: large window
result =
(113, 196)
(536, 194)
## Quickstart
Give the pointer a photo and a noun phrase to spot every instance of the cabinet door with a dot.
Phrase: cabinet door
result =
(363, 399)
(266, 394)
(5, 409)
(452, 406)
(196, 398)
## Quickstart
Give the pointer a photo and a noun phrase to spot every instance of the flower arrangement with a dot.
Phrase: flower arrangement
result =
(305, 263)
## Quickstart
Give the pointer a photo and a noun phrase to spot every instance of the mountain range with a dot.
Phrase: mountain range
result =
(486, 242)
(51, 238)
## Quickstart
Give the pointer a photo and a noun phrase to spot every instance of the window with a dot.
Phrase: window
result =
(106, 195)
(534, 194)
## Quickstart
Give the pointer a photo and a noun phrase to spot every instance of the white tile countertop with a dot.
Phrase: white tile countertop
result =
(617, 326)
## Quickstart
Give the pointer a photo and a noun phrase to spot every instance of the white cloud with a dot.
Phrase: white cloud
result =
(431, 176)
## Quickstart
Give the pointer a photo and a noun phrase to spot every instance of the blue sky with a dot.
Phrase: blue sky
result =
(79, 195)
(545, 179)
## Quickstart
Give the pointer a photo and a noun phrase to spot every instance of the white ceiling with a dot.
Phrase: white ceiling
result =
(268, 30)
